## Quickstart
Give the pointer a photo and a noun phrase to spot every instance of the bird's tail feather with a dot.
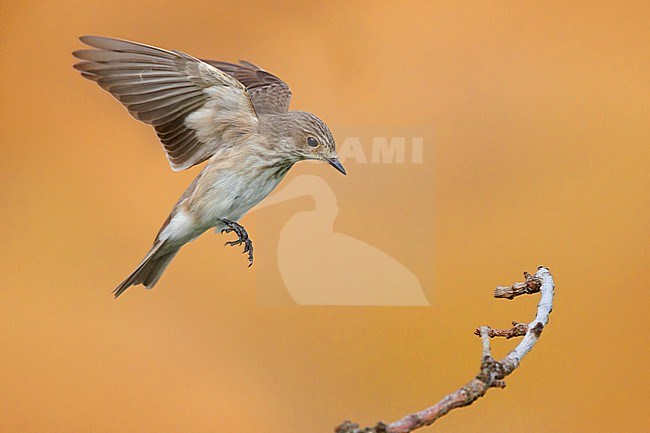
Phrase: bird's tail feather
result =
(150, 269)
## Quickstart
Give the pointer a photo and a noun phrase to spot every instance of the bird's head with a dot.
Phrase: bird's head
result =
(310, 138)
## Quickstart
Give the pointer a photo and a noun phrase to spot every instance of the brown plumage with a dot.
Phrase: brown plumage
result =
(268, 93)
(233, 116)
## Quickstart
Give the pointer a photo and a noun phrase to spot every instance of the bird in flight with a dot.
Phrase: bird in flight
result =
(234, 116)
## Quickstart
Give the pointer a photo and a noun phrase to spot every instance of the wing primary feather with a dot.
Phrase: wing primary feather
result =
(135, 80)
(152, 91)
(162, 102)
(161, 88)
(113, 44)
(181, 147)
(108, 68)
(179, 134)
(171, 126)
(177, 113)
(100, 56)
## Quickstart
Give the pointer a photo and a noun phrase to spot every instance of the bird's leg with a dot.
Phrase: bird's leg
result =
(232, 226)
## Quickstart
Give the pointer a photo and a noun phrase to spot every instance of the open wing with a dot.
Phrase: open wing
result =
(269, 93)
(194, 107)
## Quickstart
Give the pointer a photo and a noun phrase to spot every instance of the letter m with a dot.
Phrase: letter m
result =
(388, 151)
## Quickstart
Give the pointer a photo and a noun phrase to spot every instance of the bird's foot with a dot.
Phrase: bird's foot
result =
(242, 238)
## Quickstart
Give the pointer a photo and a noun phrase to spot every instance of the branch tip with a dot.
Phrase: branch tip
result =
(517, 330)
(532, 284)
(492, 373)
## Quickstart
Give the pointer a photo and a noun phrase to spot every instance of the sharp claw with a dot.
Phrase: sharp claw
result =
(242, 239)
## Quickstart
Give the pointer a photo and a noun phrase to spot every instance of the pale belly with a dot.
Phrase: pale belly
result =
(227, 199)
(222, 191)
(239, 200)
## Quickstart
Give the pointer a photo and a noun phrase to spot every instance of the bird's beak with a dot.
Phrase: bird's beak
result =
(334, 162)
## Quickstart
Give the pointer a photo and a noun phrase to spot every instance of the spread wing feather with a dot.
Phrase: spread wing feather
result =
(194, 107)
(269, 93)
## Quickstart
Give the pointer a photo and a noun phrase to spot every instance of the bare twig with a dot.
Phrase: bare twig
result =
(492, 372)
(530, 286)
(517, 330)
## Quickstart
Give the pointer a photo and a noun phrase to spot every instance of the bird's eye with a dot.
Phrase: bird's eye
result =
(311, 141)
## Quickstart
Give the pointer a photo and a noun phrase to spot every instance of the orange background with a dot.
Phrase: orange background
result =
(540, 113)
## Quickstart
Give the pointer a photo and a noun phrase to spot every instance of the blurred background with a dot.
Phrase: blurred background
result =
(539, 155)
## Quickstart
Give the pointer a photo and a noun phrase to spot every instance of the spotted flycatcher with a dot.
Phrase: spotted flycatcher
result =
(234, 116)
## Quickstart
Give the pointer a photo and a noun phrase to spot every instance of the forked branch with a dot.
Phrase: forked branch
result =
(492, 373)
